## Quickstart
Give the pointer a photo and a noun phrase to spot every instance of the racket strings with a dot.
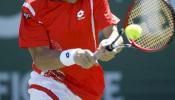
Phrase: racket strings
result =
(156, 40)
(137, 10)
(154, 14)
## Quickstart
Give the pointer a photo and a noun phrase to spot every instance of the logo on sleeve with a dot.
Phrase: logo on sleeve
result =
(80, 15)
(67, 55)
(27, 16)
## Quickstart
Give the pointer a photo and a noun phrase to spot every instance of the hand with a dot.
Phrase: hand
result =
(84, 58)
(103, 54)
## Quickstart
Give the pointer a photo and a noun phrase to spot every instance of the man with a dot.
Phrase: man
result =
(62, 36)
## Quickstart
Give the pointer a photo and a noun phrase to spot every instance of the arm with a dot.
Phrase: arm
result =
(110, 33)
(47, 59)
(105, 22)
(33, 35)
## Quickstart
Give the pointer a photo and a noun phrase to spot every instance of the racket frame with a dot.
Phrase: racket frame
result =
(134, 44)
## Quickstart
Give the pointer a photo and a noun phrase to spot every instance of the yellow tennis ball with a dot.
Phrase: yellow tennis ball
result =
(133, 31)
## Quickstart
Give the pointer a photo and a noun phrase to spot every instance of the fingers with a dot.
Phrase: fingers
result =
(84, 58)
(90, 56)
(105, 55)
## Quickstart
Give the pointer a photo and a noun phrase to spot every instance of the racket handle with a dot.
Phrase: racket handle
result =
(109, 48)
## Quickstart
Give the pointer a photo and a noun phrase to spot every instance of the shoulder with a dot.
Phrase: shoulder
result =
(101, 4)
(37, 3)
(33, 7)
(96, 2)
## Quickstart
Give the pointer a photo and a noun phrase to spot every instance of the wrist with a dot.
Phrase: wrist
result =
(67, 57)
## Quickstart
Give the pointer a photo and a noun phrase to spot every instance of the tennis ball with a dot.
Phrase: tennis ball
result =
(133, 31)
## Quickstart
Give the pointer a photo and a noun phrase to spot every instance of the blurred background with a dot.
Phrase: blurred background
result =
(132, 75)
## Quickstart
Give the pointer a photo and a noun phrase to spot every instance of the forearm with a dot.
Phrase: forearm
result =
(50, 63)
(45, 58)
(110, 31)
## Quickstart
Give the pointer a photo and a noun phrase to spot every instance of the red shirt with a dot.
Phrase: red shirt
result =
(63, 25)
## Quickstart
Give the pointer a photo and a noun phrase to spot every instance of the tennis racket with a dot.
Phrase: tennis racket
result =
(157, 20)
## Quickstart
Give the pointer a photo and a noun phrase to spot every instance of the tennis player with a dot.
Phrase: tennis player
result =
(61, 36)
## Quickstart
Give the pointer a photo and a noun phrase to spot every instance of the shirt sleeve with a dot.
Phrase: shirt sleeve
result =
(102, 15)
(31, 32)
